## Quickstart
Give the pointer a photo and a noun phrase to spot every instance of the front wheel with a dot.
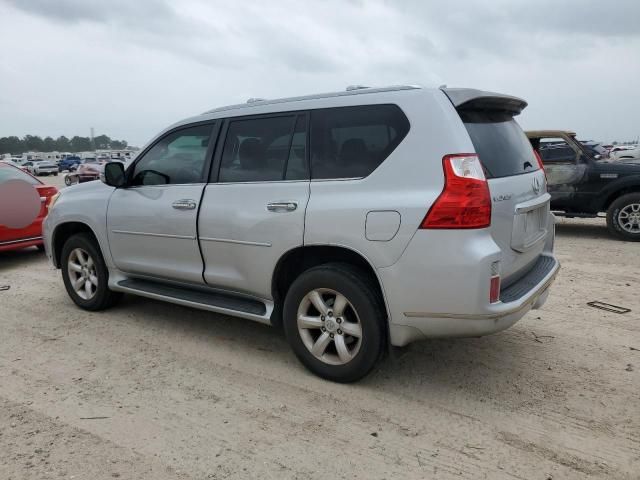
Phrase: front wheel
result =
(334, 322)
(67, 181)
(623, 217)
(85, 274)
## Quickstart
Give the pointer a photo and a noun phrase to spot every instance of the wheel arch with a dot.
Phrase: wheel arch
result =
(62, 233)
(296, 261)
(618, 192)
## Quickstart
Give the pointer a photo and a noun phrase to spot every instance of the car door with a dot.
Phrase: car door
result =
(253, 210)
(152, 220)
(564, 168)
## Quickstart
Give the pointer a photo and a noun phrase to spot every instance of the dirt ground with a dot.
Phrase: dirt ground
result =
(150, 390)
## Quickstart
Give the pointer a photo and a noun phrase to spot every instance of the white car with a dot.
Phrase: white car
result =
(626, 152)
(40, 167)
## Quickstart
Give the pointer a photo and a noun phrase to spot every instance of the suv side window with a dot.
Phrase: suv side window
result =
(351, 142)
(556, 150)
(265, 149)
(177, 158)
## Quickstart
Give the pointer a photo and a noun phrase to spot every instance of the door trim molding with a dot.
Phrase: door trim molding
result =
(164, 235)
(237, 242)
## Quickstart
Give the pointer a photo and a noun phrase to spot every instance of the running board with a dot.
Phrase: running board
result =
(575, 215)
(214, 301)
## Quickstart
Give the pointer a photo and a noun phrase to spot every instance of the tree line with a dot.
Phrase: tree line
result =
(33, 143)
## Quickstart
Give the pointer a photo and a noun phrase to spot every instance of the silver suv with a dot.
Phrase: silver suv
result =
(355, 220)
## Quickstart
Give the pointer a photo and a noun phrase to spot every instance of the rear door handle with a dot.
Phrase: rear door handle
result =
(282, 206)
(184, 204)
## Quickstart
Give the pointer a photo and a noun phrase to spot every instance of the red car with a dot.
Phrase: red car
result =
(31, 234)
(89, 170)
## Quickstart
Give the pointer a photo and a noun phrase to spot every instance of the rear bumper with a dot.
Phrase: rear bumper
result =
(442, 291)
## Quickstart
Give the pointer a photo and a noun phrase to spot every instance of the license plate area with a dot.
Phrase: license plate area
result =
(529, 226)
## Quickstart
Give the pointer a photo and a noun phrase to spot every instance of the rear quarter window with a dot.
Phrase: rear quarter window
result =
(500, 143)
(351, 142)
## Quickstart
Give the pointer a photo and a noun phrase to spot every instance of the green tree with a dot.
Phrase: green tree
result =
(80, 144)
(102, 142)
(33, 143)
(12, 145)
(119, 144)
(63, 144)
(49, 144)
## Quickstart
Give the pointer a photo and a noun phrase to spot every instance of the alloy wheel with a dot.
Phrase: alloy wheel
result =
(329, 326)
(629, 218)
(82, 273)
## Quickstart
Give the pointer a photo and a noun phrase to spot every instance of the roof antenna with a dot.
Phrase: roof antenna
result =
(444, 85)
(255, 99)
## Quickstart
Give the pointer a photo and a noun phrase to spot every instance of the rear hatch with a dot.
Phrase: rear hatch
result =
(517, 184)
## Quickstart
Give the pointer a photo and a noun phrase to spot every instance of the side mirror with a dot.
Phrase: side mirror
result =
(113, 174)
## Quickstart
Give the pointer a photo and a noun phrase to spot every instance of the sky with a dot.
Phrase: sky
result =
(129, 68)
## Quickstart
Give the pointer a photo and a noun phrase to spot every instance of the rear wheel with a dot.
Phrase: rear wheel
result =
(85, 274)
(623, 217)
(334, 322)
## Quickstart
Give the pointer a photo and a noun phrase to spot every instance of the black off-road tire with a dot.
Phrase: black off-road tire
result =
(613, 222)
(355, 285)
(103, 298)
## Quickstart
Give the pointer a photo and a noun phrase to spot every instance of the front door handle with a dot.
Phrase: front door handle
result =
(282, 206)
(184, 204)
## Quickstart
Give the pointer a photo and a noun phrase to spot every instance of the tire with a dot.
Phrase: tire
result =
(97, 296)
(67, 181)
(364, 313)
(55, 174)
(623, 217)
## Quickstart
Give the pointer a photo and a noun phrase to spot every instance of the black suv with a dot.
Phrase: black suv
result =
(583, 184)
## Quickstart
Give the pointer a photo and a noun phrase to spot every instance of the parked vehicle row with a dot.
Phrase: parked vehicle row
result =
(40, 167)
(356, 220)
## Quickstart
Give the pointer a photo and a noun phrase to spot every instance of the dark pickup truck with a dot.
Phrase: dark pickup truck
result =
(582, 184)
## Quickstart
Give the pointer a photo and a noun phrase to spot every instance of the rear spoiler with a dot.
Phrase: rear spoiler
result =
(471, 99)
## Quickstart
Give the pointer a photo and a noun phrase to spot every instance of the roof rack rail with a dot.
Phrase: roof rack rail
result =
(351, 90)
(356, 87)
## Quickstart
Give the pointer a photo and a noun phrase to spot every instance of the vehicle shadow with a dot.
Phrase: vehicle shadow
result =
(22, 257)
(581, 229)
(495, 368)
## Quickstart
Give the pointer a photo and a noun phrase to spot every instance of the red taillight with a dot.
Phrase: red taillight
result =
(465, 201)
(494, 289)
(46, 193)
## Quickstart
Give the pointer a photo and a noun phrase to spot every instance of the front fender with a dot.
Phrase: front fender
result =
(85, 204)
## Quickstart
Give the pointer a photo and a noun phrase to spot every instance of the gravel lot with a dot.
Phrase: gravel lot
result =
(149, 390)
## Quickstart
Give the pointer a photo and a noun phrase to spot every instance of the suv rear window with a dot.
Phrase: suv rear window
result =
(350, 142)
(502, 146)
